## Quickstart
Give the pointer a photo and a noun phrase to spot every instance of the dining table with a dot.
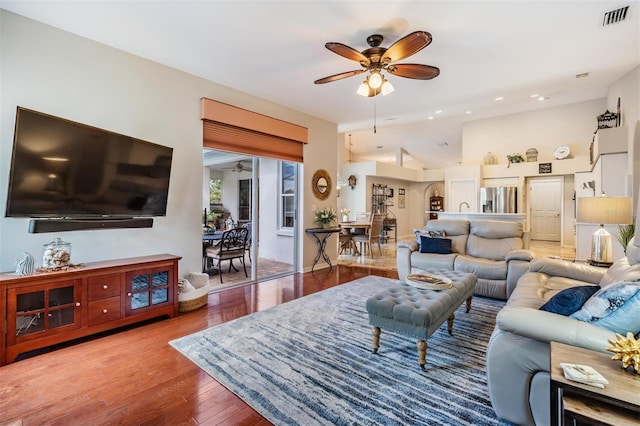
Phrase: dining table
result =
(355, 227)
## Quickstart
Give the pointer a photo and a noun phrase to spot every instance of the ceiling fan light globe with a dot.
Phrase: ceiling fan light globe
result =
(375, 80)
(363, 89)
(387, 88)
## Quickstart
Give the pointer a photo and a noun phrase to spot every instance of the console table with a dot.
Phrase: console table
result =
(321, 235)
(51, 307)
(574, 403)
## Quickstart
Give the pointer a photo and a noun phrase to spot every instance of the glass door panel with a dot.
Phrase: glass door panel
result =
(261, 195)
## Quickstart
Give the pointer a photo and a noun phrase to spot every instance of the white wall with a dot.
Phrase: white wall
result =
(628, 90)
(546, 129)
(52, 71)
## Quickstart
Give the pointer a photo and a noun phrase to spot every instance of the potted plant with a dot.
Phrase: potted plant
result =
(325, 217)
(514, 158)
(345, 214)
(625, 233)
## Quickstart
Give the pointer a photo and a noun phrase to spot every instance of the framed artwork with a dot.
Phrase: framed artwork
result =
(544, 168)
(400, 191)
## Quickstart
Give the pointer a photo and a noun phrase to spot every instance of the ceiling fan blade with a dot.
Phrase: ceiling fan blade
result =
(407, 46)
(338, 76)
(417, 71)
(348, 52)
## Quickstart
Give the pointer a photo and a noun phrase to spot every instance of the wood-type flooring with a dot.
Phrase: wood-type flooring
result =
(133, 376)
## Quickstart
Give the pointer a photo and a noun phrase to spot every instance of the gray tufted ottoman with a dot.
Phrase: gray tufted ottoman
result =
(417, 312)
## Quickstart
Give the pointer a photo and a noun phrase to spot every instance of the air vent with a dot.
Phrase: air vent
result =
(615, 16)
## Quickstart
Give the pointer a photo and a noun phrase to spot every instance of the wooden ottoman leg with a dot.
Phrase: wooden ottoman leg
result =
(376, 339)
(469, 303)
(450, 323)
(422, 352)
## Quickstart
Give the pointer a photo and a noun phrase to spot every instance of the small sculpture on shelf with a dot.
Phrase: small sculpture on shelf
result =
(26, 265)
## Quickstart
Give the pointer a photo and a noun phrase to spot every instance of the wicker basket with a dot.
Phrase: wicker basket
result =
(193, 304)
(197, 298)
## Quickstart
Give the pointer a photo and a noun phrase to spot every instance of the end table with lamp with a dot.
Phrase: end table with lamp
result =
(603, 211)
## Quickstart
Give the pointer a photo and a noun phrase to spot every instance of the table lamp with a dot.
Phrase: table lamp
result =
(603, 210)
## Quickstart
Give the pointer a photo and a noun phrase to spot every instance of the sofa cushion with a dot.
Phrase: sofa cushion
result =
(569, 300)
(435, 245)
(482, 268)
(621, 270)
(614, 307)
(422, 261)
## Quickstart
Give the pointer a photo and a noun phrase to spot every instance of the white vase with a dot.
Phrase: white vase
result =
(345, 218)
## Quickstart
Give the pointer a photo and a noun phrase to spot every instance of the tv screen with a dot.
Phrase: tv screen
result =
(64, 169)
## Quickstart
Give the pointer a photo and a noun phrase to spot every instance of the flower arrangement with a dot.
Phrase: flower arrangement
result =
(345, 211)
(325, 216)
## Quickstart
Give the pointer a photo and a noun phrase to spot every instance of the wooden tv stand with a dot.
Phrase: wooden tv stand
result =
(47, 308)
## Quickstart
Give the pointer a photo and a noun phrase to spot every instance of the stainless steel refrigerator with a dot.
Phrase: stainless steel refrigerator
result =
(499, 199)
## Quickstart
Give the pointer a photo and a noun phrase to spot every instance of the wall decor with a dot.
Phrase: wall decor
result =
(561, 152)
(544, 168)
(401, 199)
(321, 184)
(353, 181)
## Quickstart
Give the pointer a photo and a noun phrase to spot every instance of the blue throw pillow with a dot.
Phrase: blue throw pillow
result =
(614, 307)
(569, 300)
(435, 245)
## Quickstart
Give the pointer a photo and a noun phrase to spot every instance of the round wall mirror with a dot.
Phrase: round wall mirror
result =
(321, 184)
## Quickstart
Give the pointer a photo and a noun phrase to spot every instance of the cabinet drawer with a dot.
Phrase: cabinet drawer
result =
(103, 286)
(104, 310)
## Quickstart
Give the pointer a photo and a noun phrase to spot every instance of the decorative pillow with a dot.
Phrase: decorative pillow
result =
(431, 234)
(614, 307)
(569, 300)
(435, 245)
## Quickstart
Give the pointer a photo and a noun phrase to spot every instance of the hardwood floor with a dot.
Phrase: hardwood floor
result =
(133, 377)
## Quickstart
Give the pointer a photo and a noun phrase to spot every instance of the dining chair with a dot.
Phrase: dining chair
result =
(345, 240)
(374, 234)
(232, 245)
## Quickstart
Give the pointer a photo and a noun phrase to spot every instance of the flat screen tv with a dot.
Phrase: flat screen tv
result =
(63, 169)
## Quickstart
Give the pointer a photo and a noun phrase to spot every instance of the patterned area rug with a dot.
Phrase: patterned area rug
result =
(309, 361)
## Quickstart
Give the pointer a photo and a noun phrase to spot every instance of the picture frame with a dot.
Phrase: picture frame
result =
(400, 191)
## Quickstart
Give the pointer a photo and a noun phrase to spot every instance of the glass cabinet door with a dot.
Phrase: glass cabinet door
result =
(43, 309)
(148, 289)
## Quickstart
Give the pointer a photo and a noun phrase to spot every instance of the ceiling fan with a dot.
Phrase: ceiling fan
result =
(376, 59)
(238, 167)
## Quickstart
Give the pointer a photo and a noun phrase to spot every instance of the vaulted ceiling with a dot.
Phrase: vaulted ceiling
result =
(275, 50)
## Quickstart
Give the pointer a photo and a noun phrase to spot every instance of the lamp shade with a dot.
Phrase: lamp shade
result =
(605, 210)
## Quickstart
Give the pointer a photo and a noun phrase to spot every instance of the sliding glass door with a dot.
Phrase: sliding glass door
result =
(261, 194)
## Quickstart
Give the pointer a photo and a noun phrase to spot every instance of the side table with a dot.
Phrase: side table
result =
(575, 403)
(321, 235)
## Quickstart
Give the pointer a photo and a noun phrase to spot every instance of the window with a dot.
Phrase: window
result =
(287, 194)
(215, 191)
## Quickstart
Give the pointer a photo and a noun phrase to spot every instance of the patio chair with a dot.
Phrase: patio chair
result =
(232, 245)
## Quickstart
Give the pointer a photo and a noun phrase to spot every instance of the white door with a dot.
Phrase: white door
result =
(545, 201)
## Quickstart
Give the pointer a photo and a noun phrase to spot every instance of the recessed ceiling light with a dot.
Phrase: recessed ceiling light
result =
(431, 117)
(582, 75)
(468, 112)
(499, 98)
(439, 111)
(534, 96)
